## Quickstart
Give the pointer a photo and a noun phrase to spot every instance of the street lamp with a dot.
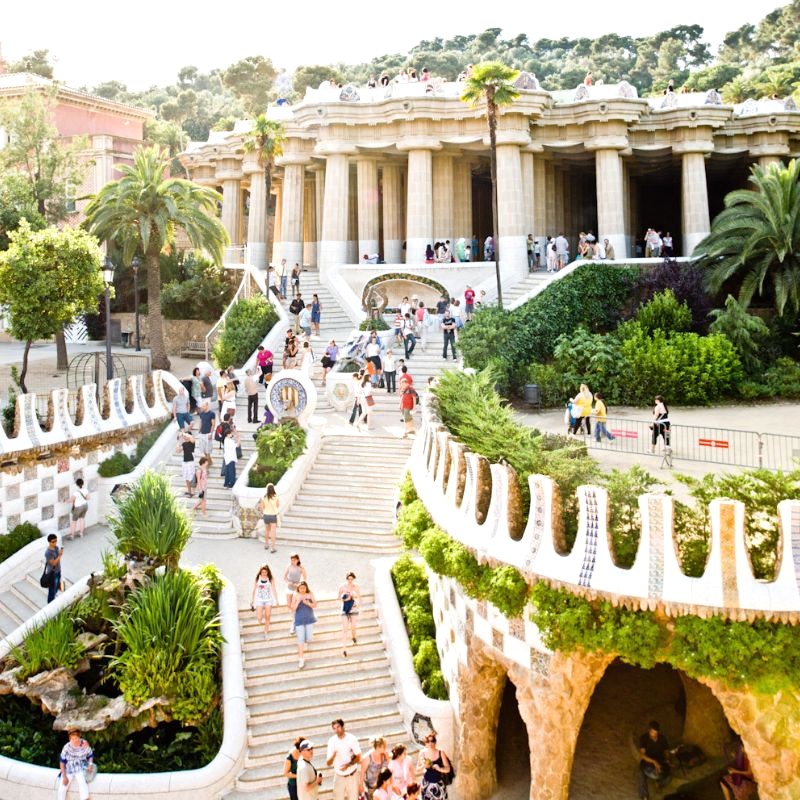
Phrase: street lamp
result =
(108, 279)
(135, 267)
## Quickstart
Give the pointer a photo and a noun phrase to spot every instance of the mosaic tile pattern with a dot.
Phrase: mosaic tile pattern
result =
(93, 456)
(497, 640)
(481, 607)
(795, 534)
(31, 502)
(29, 415)
(63, 463)
(116, 397)
(63, 522)
(61, 408)
(592, 526)
(29, 474)
(516, 627)
(13, 520)
(63, 494)
(655, 576)
(48, 483)
(48, 512)
(537, 500)
(727, 535)
(540, 663)
(12, 492)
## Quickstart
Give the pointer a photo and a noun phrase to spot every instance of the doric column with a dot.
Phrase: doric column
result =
(292, 214)
(335, 215)
(443, 197)
(527, 189)
(511, 213)
(610, 200)
(540, 229)
(277, 187)
(368, 206)
(550, 199)
(319, 198)
(310, 222)
(694, 196)
(558, 187)
(353, 256)
(257, 219)
(419, 218)
(392, 214)
(765, 161)
(229, 174)
(462, 196)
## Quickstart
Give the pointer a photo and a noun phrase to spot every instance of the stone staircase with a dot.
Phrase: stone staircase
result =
(284, 702)
(334, 320)
(531, 284)
(23, 598)
(347, 500)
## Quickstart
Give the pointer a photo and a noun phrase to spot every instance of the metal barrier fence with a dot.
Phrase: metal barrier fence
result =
(724, 446)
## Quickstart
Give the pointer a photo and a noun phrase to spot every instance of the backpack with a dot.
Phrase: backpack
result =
(219, 433)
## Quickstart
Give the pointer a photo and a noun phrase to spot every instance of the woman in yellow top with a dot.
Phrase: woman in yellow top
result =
(269, 506)
(582, 409)
(600, 419)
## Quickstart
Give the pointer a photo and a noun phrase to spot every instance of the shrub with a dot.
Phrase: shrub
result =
(685, 280)
(170, 639)
(664, 313)
(277, 448)
(487, 337)
(746, 332)
(52, 645)
(782, 379)
(407, 493)
(118, 464)
(625, 521)
(411, 585)
(149, 523)
(17, 538)
(412, 521)
(374, 324)
(203, 294)
(246, 325)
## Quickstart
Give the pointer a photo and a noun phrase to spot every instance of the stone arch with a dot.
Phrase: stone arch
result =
(394, 285)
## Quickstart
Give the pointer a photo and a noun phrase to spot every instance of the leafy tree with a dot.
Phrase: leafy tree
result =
(265, 139)
(312, 75)
(48, 278)
(170, 136)
(251, 80)
(111, 90)
(756, 238)
(492, 82)
(141, 211)
(16, 203)
(746, 332)
(36, 62)
(711, 77)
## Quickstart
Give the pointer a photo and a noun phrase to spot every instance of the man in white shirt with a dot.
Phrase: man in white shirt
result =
(344, 754)
(562, 251)
(308, 779)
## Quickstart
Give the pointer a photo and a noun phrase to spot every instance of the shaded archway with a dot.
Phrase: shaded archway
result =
(512, 753)
(626, 698)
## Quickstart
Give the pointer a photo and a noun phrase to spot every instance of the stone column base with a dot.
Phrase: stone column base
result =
(368, 246)
(619, 241)
(513, 258)
(393, 251)
(257, 254)
(293, 253)
(331, 254)
(415, 250)
(691, 240)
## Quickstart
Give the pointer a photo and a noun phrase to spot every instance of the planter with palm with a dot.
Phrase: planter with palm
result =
(142, 210)
(493, 82)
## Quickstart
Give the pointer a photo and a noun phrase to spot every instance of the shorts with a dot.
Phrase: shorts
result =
(188, 471)
(406, 415)
(79, 512)
(397, 331)
(469, 308)
(304, 633)
(270, 519)
(269, 603)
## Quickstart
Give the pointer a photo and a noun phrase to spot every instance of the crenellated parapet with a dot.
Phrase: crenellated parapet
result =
(479, 504)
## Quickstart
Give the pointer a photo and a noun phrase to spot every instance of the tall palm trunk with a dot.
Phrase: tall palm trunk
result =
(268, 190)
(158, 354)
(491, 116)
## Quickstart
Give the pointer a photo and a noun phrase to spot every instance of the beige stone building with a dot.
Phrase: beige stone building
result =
(391, 170)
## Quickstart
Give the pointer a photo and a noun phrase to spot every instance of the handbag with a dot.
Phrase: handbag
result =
(90, 772)
(46, 579)
(370, 400)
(239, 452)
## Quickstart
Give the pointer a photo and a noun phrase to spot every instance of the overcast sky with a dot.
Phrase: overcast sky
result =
(92, 41)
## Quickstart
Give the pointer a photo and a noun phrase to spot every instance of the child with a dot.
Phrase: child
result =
(398, 328)
(202, 483)
(599, 413)
(264, 597)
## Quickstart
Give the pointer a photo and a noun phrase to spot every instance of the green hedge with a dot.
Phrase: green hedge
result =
(245, 327)
(121, 464)
(411, 585)
(277, 447)
(17, 538)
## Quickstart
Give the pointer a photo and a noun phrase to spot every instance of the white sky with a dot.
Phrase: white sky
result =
(93, 41)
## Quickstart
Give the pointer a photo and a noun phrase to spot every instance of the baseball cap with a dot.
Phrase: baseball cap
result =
(306, 745)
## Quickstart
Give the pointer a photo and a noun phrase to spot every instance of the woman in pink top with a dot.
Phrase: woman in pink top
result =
(402, 768)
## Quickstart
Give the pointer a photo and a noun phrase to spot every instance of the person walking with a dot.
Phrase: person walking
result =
(303, 605)
(52, 567)
(283, 274)
(551, 255)
(296, 270)
(469, 302)
(328, 360)
(409, 340)
(582, 410)
(660, 424)
(295, 307)
(449, 331)
(251, 390)
(421, 325)
(355, 413)
(272, 283)
(344, 755)
(308, 779)
(305, 322)
(562, 251)
(408, 400)
(390, 372)
(264, 360)
(290, 764)
(373, 764)
(201, 476)
(350, 595)
(385, 788)
(367, 401)
(230, 445)
(292, 576)
(180, 408)
(436, 765)
(186, 445)
(229, 398)
(206, 430)
(316, 313)
(264, 597)
(269, 505)
(197, 390)
(80, 505)
(599, 414)
(75, 761)
(290, 350)
(401, 766)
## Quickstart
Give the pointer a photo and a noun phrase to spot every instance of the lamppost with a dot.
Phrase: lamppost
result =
(135, 267)
(108, 279)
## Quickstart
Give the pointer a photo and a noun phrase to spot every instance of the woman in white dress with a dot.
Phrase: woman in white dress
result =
(264, 597)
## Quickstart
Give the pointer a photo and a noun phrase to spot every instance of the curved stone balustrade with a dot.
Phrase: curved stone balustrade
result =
(475, 503)
(123, 406)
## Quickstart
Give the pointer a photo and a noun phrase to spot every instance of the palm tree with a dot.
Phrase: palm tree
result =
(266, 140)
(492, 81)
(141, 210)
(757, 238)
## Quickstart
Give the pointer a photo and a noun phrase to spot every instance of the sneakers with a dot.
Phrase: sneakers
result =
(301, 663)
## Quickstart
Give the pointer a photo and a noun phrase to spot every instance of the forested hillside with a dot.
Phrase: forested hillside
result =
(757, 60)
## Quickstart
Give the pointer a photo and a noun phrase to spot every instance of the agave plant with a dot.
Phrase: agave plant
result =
(170, 640)
(149, 524)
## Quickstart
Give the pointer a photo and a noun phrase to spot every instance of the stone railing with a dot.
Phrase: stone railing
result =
(477, 503)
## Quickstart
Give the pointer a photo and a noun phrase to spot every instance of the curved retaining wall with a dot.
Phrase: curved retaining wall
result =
(18, 779)
(453, 484)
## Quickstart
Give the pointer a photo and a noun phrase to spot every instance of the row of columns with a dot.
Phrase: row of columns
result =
(325, 216)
